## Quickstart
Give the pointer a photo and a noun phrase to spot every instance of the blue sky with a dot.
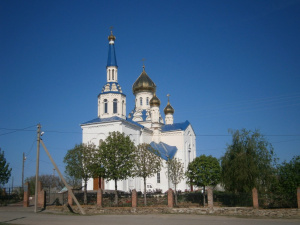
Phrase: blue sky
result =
(226, 65)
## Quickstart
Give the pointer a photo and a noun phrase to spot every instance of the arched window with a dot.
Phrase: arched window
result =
(141, 101)
(115, 106)
(105, 105)
(147, 101)
(113, 74)
(123, 107)
(109, 75)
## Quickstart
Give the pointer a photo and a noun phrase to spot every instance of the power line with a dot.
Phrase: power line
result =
(34, 140)
(198, 135)
(16, 130)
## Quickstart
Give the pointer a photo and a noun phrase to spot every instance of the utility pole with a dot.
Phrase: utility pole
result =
(37, 167)
(12, 185)
(23, 162)
(62, 178)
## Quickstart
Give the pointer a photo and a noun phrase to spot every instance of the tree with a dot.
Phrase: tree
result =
(5, 171)
(289, 179)
(248, 162)
(117, 156)
(175, 173)
(80, 163)
(47, 180)
(204, 171)
(147, 163)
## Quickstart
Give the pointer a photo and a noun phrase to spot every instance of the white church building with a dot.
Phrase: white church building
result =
(144, 124)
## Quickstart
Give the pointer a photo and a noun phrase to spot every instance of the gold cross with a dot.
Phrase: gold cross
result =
(143, 59)
(111, 28)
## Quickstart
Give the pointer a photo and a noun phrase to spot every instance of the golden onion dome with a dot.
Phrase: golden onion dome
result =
(111, 37)
(169, 109)
(154, 101)
(143, 83)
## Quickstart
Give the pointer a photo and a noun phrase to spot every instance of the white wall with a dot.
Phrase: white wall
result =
(121, 105)
(181, 139)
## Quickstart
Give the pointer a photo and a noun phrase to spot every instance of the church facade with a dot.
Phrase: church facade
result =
(144, 124)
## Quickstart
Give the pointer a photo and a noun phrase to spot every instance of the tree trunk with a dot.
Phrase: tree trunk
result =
(204, 196)
(145, 192)
(116, 194)
(85, 193)
(175, 195)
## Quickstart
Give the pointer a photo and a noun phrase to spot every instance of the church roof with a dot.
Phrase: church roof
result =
(143, 83)
(111, 119)
(175, 126)
(169, 109)
(112, 59)
(166, 151)
(154, 101)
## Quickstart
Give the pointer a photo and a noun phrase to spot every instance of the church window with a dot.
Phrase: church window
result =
(109, 75)
(100, 142)
(158, 178)
(115, 106)
(141, 101)
(123, 107)
(147, 101)
(105, 105)
(113, 74)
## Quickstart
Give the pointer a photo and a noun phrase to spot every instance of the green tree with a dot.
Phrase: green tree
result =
(80, 164)
(289, 180)
(175, 173)
(5, 171)
(147, 163)
(247, 162)
(117, 156)
(204, 171)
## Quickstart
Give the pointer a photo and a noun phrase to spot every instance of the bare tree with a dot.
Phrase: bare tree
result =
(148, 163)
(175, 173)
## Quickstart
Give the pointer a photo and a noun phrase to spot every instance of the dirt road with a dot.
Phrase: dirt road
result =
(19, 215)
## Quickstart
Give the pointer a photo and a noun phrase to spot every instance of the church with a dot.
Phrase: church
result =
(144, 124)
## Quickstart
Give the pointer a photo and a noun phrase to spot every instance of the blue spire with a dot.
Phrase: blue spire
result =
(112, 59)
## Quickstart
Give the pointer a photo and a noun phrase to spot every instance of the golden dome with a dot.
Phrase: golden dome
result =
(154, 101)
(143, 83)
(169, 109)
(111, 37)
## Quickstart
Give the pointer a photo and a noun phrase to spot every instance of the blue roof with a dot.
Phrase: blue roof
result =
(175, 126)
(113, 92)
(112, 59)
(166, 151)
(111, 119)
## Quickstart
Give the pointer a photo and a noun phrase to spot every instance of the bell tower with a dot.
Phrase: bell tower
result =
(111, 100)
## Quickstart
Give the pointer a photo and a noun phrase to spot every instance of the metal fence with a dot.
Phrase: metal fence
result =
(185, 199)
(10, 195)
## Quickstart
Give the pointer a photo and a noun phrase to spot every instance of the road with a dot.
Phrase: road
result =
(19, 215)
